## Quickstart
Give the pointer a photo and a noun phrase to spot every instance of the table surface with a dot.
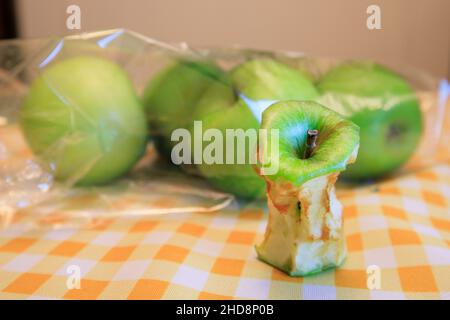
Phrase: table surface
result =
(401, 226)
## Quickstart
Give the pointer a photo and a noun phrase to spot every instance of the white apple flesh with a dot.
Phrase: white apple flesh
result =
(305, 232)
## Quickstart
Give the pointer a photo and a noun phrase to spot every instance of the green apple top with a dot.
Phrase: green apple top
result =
(337, 142)
(386, 109)
(255, 84)
(82, 116)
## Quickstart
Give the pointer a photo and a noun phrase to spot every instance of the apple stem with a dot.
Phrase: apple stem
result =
(310, 142)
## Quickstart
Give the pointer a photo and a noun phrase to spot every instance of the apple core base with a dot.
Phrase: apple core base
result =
(304, 234)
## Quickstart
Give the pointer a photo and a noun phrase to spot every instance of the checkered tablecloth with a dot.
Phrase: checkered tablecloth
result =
(402, 226)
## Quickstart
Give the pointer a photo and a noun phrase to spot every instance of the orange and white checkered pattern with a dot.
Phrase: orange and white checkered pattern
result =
(401, 225)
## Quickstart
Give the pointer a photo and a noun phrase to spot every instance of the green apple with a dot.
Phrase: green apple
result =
(255, 84)
(304, 234)
(83, 117)
(171, 96)
(386, 109)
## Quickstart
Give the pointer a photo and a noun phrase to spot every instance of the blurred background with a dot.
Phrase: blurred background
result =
(413, 32)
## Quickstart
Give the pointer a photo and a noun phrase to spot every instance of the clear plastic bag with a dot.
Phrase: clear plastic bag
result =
(37, 190)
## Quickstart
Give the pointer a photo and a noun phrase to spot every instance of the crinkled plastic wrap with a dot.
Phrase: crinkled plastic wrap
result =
(44, 164)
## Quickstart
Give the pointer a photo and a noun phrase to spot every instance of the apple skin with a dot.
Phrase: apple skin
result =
(386, 109)
(222, 108)
(83, 117)
(171, 96)
(238, 179)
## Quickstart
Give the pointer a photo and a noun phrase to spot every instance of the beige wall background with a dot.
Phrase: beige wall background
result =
(414, 32)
